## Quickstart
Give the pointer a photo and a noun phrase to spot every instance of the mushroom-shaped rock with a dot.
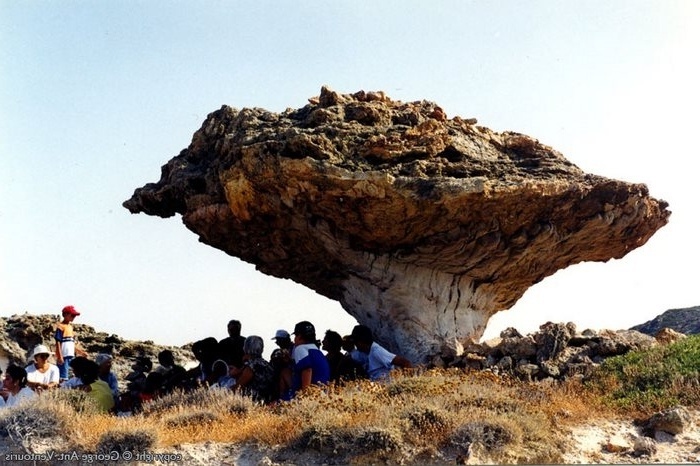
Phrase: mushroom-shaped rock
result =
(422, 227)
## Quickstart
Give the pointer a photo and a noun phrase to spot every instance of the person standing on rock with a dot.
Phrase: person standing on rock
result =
(310, 364)
(380, 361)
(66, 347)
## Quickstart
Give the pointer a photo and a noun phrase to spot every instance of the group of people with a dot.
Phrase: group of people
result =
(298, 361)
(233, 363)
(94, 377)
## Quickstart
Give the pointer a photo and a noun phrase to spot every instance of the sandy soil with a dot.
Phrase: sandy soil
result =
(612, 442)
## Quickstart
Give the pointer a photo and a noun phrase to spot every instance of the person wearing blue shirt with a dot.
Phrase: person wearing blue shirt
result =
(310, 364)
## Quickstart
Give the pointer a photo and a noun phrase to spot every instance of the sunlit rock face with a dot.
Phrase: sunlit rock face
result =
(422, 227)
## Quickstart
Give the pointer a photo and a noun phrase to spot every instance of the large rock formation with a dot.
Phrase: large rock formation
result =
(421, 226)
(686, 321)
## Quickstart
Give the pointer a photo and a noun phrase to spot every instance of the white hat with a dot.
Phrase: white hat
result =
(40, 349)
(281, 334)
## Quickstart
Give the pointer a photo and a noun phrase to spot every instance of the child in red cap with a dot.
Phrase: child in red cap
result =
(65, 341)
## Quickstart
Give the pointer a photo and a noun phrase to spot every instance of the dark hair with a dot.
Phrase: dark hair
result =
(145, 363)
(18, 374)
(166, 358)
(306, 330)
(362, 333)
(90, 372)
(206, 349)
(333, 340)
(79, 364)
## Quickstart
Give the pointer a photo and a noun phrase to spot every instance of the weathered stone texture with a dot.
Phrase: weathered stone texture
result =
(421, 226)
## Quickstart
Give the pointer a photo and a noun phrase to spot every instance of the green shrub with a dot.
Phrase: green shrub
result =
(652, 379)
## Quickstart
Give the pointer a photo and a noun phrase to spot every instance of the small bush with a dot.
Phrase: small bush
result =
(135, 441)
(431, 383)
(77, 400)
(223, 401)
(192, 418)
(39, 419)
(345, 441)
(491, 435)
(428, 419)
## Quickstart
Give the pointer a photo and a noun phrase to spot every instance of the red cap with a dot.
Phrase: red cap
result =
(70, 310)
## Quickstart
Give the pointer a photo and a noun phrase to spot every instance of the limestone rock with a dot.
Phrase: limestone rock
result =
(422, 227)
(672, 420)
(666, 336)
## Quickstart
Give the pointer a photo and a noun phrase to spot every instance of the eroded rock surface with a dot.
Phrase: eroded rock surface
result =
(421, 226)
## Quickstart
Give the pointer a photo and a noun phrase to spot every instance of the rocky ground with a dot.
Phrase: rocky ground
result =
(591, 441)
(612, 441)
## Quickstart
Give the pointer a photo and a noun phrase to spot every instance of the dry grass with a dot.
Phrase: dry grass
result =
(437, 414)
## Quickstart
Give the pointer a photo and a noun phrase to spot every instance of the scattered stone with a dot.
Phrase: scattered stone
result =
(644, 446)
(673, 421)
(666, 336)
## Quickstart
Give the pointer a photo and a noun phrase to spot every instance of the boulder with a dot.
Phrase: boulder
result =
(672, 421)
(422, 227)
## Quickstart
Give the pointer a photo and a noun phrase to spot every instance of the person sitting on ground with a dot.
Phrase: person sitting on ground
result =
(281, 361)
(342, 366)
(174, 375)
(231, 347)
(352, 351)
(136, 380)
(205, 351)
(77, 365)
(310, 364)
(15, 390)
(221, 375)
(380, 362)
(104, 364)
(152, 390)
(66, 345)
(283, 340)
(257, 377)
(41, 374)
(96, 389)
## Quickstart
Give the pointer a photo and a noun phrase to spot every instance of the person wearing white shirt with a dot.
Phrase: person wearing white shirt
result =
(41, 374)
(379, 361)
(15, 388)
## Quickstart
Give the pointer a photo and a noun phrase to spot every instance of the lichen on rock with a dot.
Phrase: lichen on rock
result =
(422, 227)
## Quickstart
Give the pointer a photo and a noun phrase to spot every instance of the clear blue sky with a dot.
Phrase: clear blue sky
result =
(96, 96)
